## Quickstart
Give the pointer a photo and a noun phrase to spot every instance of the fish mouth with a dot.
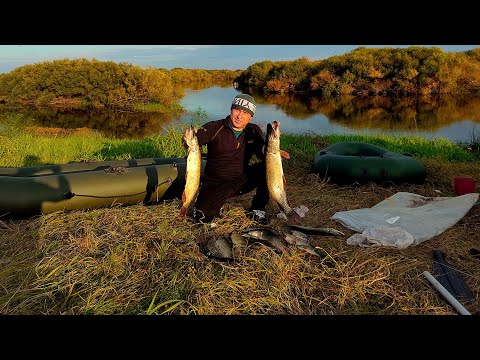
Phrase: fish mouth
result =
(272, 130)
(272, 126)
(269, 129)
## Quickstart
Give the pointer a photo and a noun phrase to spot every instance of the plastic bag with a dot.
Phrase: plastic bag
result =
(382, 236)
(420, 216)
(300, 210)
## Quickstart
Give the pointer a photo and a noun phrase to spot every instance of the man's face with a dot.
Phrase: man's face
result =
(239, 118)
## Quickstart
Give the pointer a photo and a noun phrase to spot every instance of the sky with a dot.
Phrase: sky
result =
(209, 57)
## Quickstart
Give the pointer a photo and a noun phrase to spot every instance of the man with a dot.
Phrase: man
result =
(231, 143)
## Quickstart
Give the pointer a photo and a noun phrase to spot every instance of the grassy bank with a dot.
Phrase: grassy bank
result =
(31, 147)
(143, 260)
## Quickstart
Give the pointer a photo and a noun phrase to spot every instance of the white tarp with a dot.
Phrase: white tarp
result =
(404, 219)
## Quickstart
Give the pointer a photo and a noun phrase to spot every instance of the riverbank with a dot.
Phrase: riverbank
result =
(42, 146)
(143, 260)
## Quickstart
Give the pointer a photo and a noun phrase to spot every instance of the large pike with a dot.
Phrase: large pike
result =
(192, 172)
(275, 177)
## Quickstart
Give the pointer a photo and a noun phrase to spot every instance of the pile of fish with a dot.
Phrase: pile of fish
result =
(222, 247)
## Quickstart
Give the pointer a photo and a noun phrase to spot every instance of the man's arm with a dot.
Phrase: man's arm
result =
(208, 131)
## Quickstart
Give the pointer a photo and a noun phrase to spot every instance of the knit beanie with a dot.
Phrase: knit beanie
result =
(244, 102)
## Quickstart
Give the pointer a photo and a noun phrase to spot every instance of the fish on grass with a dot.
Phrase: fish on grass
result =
(192, 172)
(219, 248)
(238, 239)
(267, 236)
(278, 239)
(316, 230)
(301, 241)
(274, 171)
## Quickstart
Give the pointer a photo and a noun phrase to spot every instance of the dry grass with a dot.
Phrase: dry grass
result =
(142, 260)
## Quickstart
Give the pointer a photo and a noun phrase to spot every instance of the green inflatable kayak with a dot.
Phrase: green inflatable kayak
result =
(84, 166)
(349, 162)
(44, 189)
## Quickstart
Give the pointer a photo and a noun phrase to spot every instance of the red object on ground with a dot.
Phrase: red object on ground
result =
(464, 185)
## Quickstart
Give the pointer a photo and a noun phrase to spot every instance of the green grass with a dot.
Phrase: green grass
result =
(26, 149)
(305, 146)
(157, 107)
(23, 148)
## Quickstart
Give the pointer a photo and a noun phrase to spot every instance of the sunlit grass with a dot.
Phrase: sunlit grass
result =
(25, 148)
(305, 146)
(142, 260)
(28, 148)
(157, 107)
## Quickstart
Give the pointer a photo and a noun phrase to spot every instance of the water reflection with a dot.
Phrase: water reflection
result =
(452, 117)
(406, 113)
(412, 113)
(114, 124)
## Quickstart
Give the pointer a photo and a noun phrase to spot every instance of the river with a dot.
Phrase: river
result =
(454, 118)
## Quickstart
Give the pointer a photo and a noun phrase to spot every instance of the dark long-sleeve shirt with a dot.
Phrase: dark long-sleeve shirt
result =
(227, 156)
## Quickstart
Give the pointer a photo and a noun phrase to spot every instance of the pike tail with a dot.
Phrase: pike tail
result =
(293, 217)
